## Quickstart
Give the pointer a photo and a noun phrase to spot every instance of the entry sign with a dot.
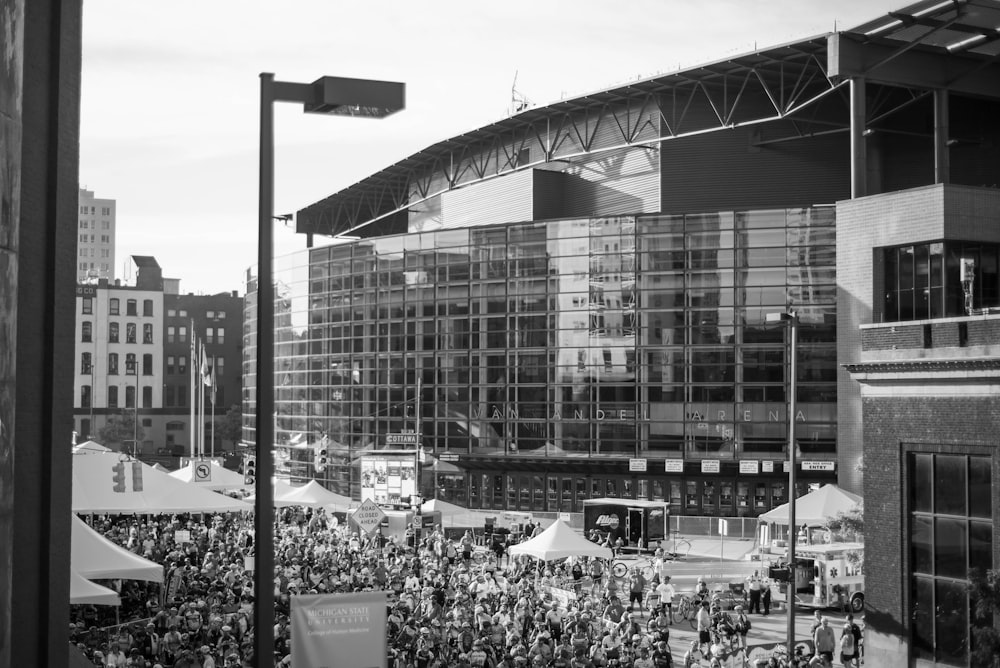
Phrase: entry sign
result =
(203, 472)
(368, 516)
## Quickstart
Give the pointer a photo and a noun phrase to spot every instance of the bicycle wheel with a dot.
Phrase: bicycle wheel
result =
(619, 569)
(678, 612)
(647, 571)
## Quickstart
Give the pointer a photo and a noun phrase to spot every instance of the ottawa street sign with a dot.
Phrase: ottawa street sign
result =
(368, 516)
(401, 439)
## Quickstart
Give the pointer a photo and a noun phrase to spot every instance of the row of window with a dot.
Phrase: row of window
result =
(114, 307)
(84, 266)
(114, 329)
(92, 210)
(92, 238)
(86, 396)
(174, 365)
(182, 313)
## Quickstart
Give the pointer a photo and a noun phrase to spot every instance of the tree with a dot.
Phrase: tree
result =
(121, 429)
(850, 527)
(230, 428)
(984, 591)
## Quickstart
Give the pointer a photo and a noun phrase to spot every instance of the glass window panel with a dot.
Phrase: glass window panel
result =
(952, 622)
(980, 490)
(950, 547)
(950, 484)
(922, 545)
(980, 545)
(922, 632)
(923, 472)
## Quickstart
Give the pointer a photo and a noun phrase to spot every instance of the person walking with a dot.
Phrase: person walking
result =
(667, 592)
(704, 623)
(636, 586)
(741, 623)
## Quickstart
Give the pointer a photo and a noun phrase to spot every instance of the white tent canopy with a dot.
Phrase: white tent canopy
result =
(312, 495)
(93, 491)
(559, 542)
(446, 509)
(221, 477)
(95, 557)
(89, 447)
(83, 591)
(815, 508)
(281, 488)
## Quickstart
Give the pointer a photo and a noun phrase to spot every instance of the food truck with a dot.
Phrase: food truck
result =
(640, 524)
(830, 575)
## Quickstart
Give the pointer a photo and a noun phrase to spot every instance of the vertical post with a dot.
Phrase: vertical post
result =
(264, 515)
(859, 161)
(942, 162)
(793, 327)
(135, 416)
(192, 365)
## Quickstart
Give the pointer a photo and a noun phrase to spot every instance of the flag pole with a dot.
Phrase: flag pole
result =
(192, 399)
(212, 445)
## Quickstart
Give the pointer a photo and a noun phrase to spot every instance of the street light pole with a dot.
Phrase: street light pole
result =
(326, 95)
(791, 320)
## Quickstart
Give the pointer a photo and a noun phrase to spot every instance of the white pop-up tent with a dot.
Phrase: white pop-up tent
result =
(95, 557)
(816, 508)
(83, 591)
(219, 478)
(89, 447)
(312, 495)
(559, 542)
(281, 488)
(93, 491)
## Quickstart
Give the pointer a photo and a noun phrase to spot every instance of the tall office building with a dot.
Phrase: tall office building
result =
(95, 238)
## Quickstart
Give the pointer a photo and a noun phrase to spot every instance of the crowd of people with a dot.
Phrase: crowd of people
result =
(451, 603)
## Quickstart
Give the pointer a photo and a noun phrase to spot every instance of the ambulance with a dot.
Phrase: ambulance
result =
(830, 575)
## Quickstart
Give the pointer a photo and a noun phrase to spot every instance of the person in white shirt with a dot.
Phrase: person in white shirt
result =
(667, 592)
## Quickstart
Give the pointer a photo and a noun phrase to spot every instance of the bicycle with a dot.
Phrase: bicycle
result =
(679, 550)
(620, 569)
(686, 608)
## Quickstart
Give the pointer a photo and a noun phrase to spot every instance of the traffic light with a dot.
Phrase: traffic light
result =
(320, 461)
(119, 476)
(250, 470)
(136, 476)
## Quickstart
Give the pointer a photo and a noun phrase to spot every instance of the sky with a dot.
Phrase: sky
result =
(170, 95)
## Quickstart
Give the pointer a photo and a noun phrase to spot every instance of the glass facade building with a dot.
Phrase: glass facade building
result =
(538, 361)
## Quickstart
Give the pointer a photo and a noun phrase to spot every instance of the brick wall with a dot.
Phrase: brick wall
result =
(894, 426)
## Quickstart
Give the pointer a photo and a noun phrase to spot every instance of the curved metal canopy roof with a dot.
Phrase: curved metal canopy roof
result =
(791, 77)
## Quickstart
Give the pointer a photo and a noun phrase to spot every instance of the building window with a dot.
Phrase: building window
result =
(940, 280)
(182, 364)
(168, 396)
(220, 315)
(113, 363)
(130, 307)
(87, 331)
(88, 306)
(86, 364)
(220, 335)
(112, 396)
(182, 313)
(147, 365)
(85, 396)
(181, 396)
(130, 396)
(113, 332)
(182, 335)
(170, 335)
(147, 333)
(951, 532)
(210, 315)
(114, 306)
(147, 308)
(209, 335)
(147, 396)
(170, 365)
(130, 364)
(219, 366)
(175, 425)
(171, 313)
(130, 332)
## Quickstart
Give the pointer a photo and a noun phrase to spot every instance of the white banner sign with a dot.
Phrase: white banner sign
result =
(674, 466)
(710, 466)
(818, 466)
(749, 466)
(767, 466)
(637, 465)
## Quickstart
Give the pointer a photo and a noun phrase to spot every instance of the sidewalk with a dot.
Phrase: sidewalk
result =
(734, 549)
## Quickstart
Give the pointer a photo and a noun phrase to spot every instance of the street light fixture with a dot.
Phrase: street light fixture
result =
(791, 320)
(327, 95)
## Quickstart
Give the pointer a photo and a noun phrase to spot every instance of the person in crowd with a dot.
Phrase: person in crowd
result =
(754, 588)
(825, 641)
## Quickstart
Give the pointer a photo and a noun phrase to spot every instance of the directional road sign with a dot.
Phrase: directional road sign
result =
(401, 439)
(368, 516)
(203, 472)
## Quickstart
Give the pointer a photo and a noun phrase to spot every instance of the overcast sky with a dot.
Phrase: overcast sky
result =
(170, 96)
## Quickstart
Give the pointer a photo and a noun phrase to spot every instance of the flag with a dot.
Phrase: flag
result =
(206, 377)
(213, 384)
